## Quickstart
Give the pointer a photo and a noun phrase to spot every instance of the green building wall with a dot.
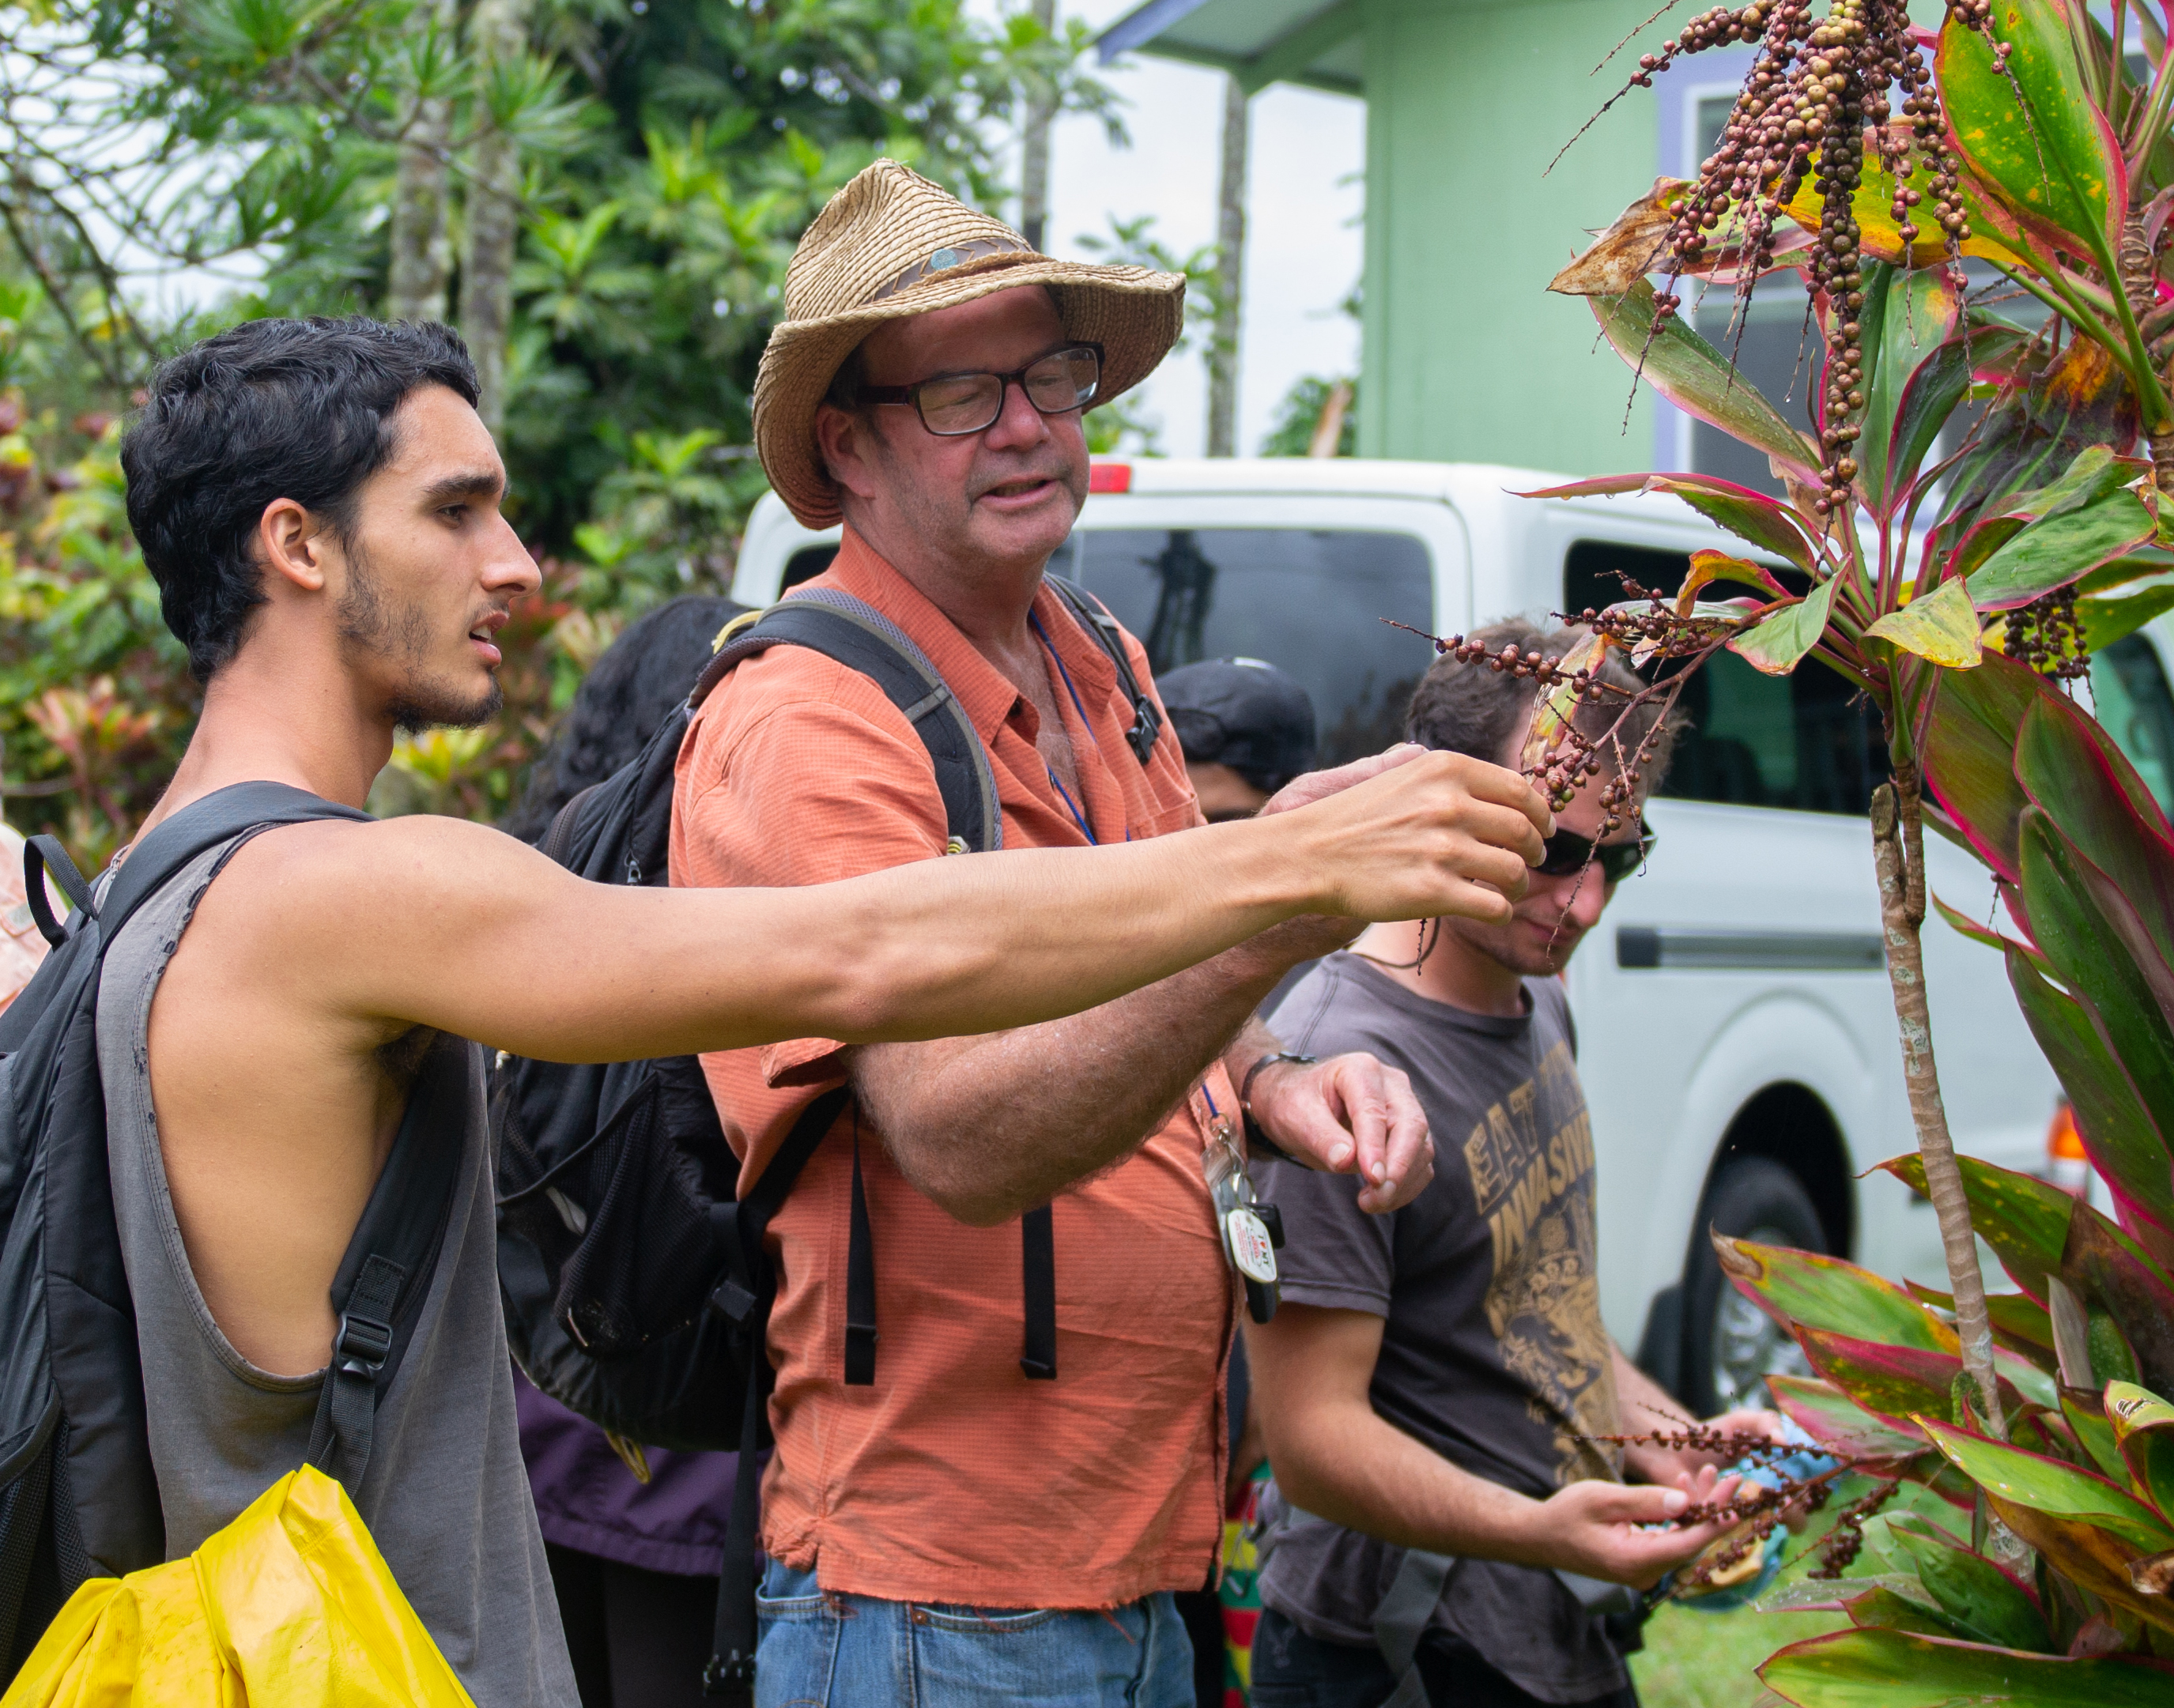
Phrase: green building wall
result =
(1467, 355)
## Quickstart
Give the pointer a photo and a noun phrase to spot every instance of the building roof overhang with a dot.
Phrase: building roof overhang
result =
(1318, 43)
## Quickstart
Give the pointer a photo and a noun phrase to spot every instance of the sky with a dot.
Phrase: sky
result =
(1304, 201)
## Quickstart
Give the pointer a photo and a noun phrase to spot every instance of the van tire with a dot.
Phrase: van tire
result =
(1727, 1340)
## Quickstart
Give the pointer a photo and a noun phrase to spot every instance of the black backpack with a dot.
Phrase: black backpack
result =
(637, 1292)
(78, 1497)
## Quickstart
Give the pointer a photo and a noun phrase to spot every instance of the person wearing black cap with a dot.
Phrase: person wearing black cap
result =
(1247, 728)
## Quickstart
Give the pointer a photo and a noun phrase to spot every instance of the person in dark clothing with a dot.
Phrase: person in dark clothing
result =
(1246, 730)
(634, 1562)
(1437, 1390)
(646, 671)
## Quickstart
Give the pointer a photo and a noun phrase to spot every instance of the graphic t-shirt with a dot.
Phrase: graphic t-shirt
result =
(1493, 1353)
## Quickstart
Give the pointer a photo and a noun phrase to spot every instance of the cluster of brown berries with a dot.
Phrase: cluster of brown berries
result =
(1572, 759)
(2048, 636)
(1845, 1541)
(1817, 97)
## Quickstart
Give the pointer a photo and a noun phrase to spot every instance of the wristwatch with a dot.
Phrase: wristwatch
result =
(1257, 1140)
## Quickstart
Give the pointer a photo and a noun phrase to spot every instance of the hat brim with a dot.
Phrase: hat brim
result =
(1134, 312)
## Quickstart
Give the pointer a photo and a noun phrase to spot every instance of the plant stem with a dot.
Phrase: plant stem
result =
(1898, 851)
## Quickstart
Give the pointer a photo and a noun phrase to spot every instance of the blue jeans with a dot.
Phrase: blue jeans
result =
(818, 1650)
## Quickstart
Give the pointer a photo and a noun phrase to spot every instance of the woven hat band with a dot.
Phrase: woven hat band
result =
(950, 255)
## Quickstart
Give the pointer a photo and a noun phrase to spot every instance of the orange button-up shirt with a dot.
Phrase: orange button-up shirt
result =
(955, 1478)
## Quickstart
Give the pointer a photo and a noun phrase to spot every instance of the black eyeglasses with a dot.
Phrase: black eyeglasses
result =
(1567, 854)
(953, 405)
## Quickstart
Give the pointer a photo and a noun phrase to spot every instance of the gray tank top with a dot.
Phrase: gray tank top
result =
(445, 1495)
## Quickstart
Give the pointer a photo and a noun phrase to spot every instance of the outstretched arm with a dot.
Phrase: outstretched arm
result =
(1335, 1456)
(434, 923)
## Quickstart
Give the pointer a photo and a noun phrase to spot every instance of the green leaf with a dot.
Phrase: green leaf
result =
(1837, 1423)
(2142, 1425)
(1906, 322)
(2037, 1484)
(2059, 548)
(1986, 1604)
(1778, 644)
(2106, 621)
(1969, 755)
(2122, 1140)
(1941, 627)
(2024, 1220)
(1687, 371)
(2089, 932)
(1898, 1384)
(2051, 157)
(2086, 1415)
(1810, 1289)
(1750, 516)
(1898, 1669)
(1940, 383)
(1883, 1609)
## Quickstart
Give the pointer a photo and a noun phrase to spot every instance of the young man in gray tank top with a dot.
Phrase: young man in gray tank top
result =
(319, 502)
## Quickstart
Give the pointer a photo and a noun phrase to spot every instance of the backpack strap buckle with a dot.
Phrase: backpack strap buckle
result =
(363, 1344)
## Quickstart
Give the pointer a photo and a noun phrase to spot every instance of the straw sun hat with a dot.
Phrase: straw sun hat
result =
(890, 245)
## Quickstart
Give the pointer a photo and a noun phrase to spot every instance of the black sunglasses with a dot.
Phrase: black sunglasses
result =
(953, 405)
(1567, 854)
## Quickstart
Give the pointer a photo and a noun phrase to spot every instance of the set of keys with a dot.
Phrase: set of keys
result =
(1251, 1230)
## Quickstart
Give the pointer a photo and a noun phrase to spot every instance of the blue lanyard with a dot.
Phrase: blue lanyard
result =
(1078, 817)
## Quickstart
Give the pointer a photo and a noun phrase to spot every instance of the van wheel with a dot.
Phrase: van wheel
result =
(1731, 1345)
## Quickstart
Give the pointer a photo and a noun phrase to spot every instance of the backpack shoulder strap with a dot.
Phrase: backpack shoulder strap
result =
(218, 817)
(1103, 629)
(863, 638)
(378, 1289)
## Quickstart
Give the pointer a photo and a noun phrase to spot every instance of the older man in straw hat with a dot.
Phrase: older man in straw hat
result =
(963, 1523)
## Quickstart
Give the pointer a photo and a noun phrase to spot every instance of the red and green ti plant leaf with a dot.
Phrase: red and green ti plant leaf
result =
(1777, 643)
(2059, 548)
(2031, 133)
(1942, 628)
(2122, 1140)
(2087, 930)
(1809, 1289)
(1749, 514)
(1838, 1424)
(2143, 1426)
(1970, 756)
(1898, 1384)
(1873, 1668)
(1987, 1605)
(1694, 376)
(2088, 1527)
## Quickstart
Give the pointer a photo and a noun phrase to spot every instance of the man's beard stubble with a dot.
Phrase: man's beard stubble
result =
(403, 636)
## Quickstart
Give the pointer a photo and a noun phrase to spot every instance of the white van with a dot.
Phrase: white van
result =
(1735, 1031)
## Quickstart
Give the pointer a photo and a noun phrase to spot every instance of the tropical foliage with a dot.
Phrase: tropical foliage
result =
(1976, 502)
(603, 197)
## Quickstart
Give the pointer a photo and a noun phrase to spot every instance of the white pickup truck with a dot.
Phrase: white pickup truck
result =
(1735, 1028)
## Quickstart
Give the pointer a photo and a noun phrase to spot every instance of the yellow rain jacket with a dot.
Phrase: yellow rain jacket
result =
(290, 1606)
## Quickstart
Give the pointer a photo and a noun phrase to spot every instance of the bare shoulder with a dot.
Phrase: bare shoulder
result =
(325, 865)
(338, 889)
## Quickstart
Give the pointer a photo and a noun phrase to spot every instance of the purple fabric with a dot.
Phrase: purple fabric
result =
(586, 1499)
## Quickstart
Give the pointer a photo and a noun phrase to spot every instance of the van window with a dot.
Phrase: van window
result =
(1795, 740)
(1750, 739)
(2129, 693)
(1309, 601)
